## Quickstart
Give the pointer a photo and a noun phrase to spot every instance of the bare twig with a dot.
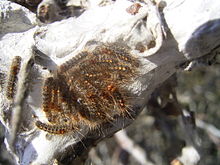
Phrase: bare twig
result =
(129, 145)
(212, 131)
(20, 97)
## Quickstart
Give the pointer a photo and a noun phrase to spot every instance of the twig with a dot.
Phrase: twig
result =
(136, 151)
(19, 100)
(213, 132)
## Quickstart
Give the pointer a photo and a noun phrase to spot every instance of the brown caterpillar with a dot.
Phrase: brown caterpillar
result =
(55, 129)
(119, 51)
(13, 77)
(67, 65)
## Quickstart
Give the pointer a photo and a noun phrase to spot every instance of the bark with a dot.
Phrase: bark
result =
(166, 37)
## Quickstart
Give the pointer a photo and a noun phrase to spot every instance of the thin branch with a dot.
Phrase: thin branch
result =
(129, 145)
(212, 131)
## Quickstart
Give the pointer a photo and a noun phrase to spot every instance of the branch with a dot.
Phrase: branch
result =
(137, 32)
(212, 131)
(128, 145)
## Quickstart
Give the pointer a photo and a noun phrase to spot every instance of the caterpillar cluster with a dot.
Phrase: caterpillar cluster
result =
(89, 89)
